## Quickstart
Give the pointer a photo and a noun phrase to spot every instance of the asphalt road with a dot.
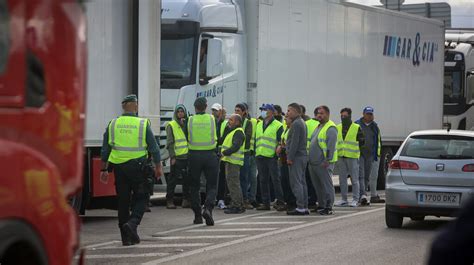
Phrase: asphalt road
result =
(351, 236)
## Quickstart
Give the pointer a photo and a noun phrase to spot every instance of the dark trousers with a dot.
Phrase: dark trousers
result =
(203, 162)
(131, 191)
(178, 172)
(285, 184)
(268, 172)
(222, 184)
(312, 197)
(244, 177)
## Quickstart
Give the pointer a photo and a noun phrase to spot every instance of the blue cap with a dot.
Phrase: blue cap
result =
(267, 107)
(368, 109)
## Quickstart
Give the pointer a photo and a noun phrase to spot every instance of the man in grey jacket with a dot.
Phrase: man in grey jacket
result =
(322, 157)
(297, 158)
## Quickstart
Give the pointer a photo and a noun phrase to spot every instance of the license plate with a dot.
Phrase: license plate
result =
(439, 198)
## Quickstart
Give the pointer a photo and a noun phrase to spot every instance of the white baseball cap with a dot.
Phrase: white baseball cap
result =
(216, 106)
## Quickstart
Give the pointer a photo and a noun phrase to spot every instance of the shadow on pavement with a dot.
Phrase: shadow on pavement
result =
(92, 219)
(426, 225)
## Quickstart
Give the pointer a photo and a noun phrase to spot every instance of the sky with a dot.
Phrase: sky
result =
(462, 11)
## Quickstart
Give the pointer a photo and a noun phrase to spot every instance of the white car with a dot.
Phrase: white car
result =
(431, 174)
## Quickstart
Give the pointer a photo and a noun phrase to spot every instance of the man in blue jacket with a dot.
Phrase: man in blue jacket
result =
(369, 155)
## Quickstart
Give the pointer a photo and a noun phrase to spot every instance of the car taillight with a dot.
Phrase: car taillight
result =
(401, 164)
(468, 168)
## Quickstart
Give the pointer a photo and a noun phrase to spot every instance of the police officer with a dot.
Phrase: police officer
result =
(127, 141)
(202, 142)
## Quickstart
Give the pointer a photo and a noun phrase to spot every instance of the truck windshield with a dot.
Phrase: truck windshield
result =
(178, 53)
(453, 89)
(177, 57)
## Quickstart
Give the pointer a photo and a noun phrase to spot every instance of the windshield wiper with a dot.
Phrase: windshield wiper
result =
(455, 157)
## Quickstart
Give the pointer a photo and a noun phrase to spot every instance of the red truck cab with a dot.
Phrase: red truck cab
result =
(42, 86)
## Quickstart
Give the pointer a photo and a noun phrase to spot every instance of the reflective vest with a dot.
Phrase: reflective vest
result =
(254, 130)
(311, 125)
(202, 133)
(180, 142)
(127, 138)
(284, 124)
(323, 142)
(284, 135)
(379, 148)
(222, 128)
(267, 140)
(246, 122)
(349, 146)
(236, 158)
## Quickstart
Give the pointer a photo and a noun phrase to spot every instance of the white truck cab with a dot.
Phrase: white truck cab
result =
(458, 112)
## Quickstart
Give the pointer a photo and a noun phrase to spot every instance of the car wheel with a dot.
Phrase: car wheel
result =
(393, 219)
(417, 218)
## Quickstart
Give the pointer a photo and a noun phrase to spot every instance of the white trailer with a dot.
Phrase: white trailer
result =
(123, 38)
(311, 52)
(459, 79)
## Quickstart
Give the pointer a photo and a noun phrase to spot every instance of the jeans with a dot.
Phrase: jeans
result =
(178, 171)
(365, 167)
(244, 177)
(268, 170)
(374, 173)
(253, 178)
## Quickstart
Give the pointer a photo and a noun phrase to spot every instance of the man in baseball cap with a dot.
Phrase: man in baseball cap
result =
(369, 157)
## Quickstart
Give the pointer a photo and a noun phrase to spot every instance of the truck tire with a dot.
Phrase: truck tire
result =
(20, 244)
(393, 219)
(385, 157)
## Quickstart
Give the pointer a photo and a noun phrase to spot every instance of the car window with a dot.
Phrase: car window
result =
(439, 147)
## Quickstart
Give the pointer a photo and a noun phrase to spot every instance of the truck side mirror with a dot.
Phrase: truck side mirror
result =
(214, 65)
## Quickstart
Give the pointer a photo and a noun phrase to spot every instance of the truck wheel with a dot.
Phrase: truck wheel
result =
(385, 158)
(393, 219)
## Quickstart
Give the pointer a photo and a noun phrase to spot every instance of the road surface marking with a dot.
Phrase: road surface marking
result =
(117, 256)
(233, 229)
(101, 244)
(198, 237)
(179, 245)
(217, 222)
(265, 223)
(271, 233)
(291, 216)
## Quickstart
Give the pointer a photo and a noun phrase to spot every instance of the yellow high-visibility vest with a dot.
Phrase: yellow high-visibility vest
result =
(349, 146)
(311, 125)
(127, 137)
(323, 142)
(180, 142)
(236, 158)
(267, 140)
(202, 133)
(254, 131)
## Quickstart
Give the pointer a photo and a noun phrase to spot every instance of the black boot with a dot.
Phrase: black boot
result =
(207, 214)
(130, 229)
(126, 241)
(197, 216)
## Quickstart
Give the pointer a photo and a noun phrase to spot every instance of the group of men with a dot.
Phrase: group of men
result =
(294, 157)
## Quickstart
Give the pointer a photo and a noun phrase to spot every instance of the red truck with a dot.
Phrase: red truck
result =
(42, 84)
